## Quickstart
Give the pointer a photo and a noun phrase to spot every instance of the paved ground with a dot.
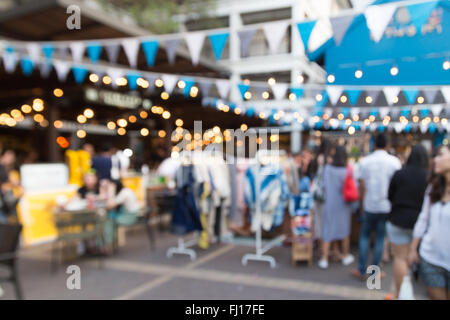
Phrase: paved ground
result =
(135, 272)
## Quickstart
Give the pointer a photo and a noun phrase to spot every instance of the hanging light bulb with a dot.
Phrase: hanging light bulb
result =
(394, 71)
(446, 65)
(331, 78)
(358, 74)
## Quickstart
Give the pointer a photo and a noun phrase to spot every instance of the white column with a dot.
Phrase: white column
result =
(235, 54)
(297, 14)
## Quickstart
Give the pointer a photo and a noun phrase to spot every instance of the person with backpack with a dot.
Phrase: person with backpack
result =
(336, 223)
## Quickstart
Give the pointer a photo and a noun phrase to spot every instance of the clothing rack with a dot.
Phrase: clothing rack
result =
(183, 248)
(260, 255)
(184, 245)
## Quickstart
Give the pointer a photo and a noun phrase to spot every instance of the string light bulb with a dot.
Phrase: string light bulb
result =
(394, 71)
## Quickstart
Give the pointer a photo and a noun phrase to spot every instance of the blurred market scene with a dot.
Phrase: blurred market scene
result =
(224, 149)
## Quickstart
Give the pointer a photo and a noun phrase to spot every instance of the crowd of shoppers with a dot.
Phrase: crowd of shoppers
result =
(403, 204)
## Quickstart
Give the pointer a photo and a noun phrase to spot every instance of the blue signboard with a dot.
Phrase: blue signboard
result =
(417, 52)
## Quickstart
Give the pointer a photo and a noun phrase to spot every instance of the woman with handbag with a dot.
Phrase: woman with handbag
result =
(431, 231)
(336, 223)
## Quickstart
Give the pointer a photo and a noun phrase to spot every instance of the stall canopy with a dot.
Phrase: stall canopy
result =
(416, 42)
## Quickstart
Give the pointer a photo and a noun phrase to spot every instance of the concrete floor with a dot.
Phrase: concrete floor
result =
(135, 272)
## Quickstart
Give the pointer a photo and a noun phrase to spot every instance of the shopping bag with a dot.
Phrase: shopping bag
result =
(406, 289)
(350, 191)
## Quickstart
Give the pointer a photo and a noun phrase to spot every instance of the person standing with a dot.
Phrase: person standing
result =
(102, 163)
(336, 221)
(406, 193)
(323, 157)
(431, 231)
(375, 172)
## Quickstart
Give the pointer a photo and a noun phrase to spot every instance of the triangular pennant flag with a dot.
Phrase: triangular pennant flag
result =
(424, 112)
(405, 112)
(360, 4)
(63, 52)
(305, 29)
(114, 74)
(432, 128)
(27, 66)
(205, 87)
(395, 113)
(131, 48)
(340, 26)
(279, 90)
(259, 90)
(245, 38)
(384, 111)
(79, 73)
(194, 41)
(378, 18)
(437, 109)
(48, 50)
(298, 91)
(446, 93)
(250, 112)
(223, 87)
(34, 51)
(94, 50)
(171, 49)
(77, 49)
(423, 127)
(62, 68)
(420, 12)
(243, 88)
(169, 82)
(218, 42)
(334, 92)
(353, 95)
(112, 51)
(328, 112)
(398, 126)
(345, 111)
(10, 61)
(354, 111)
(391, 93)
(411, 95)
(150, 49)
(132, 80)
(274, 33)
(151, 82)
(324, 100)
(430, 94)
(407, 128)
(45, 69)
(188, 84)
(373, 94)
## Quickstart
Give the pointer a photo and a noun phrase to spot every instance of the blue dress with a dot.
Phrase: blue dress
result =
(336, 220)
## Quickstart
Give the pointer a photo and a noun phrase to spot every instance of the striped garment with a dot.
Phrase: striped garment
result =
(273, 195)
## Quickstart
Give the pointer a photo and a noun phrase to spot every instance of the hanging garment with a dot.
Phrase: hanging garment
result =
(291, 174)
(273, 194)
(185, 216)
(299, 210)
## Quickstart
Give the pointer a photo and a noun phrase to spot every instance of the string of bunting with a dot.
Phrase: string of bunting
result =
(377, 18)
